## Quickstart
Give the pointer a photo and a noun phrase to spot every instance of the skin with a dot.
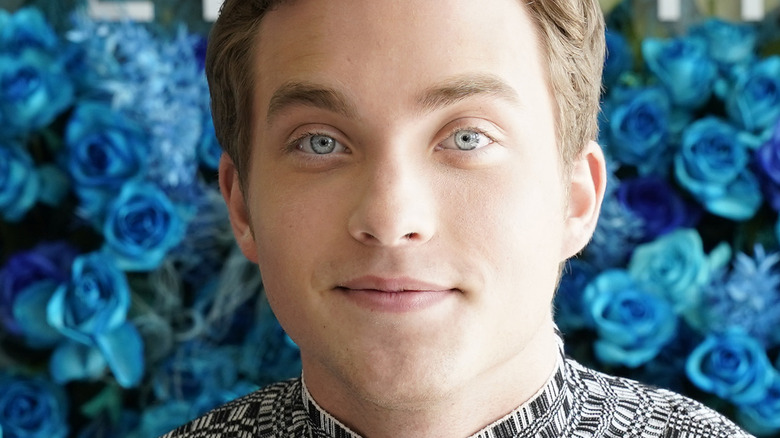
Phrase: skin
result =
(474, 238)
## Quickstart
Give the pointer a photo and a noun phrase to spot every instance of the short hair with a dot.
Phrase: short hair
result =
(570, 34)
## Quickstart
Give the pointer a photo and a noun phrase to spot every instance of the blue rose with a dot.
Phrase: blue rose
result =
(754, 100)
(673, 266)
(268, 354)
(19, 184)
(733, 366)
(195, 371)
(638, 127)
(27, 281)
(657, 203)
(763, 417)
(768, 165)
(105, 149)
(34, 89)
(26, 29)
(32, 408)
(728, 43)
(712, 165)
(632, 323)
(91, 309)
(683, 67)
(619, 58)
(209, 150)
(141, 226)
(570, 313)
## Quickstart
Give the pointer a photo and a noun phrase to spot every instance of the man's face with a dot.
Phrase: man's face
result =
(405, 192)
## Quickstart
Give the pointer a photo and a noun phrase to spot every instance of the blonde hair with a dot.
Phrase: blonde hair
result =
(570, 34)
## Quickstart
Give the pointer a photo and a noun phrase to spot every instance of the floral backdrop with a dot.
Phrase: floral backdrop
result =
(126, 310)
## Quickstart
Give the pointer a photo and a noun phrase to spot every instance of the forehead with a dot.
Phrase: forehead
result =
(394, 48)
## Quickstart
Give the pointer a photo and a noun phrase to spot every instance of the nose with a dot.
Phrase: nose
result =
(394, 206)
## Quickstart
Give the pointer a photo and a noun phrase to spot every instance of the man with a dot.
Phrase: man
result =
(409, 177)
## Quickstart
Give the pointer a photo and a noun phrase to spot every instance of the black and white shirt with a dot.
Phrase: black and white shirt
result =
(575, 402)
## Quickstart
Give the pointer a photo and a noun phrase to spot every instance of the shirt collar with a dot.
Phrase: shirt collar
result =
(545, 412)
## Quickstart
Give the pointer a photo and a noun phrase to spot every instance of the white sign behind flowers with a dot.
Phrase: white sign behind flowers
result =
(668, 10)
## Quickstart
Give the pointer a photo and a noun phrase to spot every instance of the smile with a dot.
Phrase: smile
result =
(394, 295)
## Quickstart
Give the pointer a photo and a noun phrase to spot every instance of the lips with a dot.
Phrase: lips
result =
(401, 284)
(395, 295)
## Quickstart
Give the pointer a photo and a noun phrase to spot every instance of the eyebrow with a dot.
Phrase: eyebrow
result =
(443, 94)
(305, 93)
(455, 89)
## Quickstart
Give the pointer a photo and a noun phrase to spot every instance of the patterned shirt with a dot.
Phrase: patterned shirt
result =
(575, 402)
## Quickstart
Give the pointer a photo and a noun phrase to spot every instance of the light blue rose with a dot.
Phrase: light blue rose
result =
(754, 101)
(19, 183)
(728, 43)
(104, 149)
(683, 67)
(673, 266)
(633, 324)
(26, 29)
(91, 310)
(763, 417)
(733, 366)
(32, 408)
(638, 127)
(141, 226)
(34, 89)
(712, 165)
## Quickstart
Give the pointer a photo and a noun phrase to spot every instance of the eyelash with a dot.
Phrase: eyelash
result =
(293, 144)
(479, 131)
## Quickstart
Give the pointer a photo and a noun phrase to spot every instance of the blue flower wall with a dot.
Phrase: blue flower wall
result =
(126, 310)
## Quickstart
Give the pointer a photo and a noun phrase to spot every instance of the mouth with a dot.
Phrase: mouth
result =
(395, 295)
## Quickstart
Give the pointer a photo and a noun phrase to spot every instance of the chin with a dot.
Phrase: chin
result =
(406, 381)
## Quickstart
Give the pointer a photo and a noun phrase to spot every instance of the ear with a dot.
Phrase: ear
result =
(587, 183)
(239, 214)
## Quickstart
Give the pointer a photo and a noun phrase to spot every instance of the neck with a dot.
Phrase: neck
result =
(459, 412)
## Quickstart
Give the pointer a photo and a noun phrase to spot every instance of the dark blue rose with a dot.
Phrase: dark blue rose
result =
(209, 150)
(19, 184)
(754, 100)
(570, 311)
(91, 309)
(657, 203)
(27, 281)
(768, 165)
(763, 417)
(619, 58)
(34, 89)
(673, 266)
(26, 29)
(683, 67)
(141, 226)
(31, 408)
(712, 165)
(632, 323)
(638, 126)
(732, 366)
(269, 354)
(105, 149)
(728, 43)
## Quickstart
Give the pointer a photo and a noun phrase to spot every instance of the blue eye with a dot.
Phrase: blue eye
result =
(319, 144)
(466, 140)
